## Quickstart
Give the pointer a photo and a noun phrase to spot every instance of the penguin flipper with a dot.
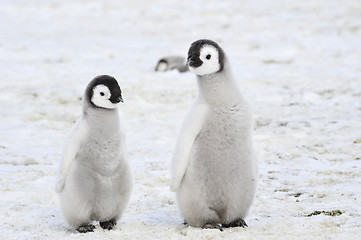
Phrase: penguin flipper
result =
(75, 140)
(190, 130)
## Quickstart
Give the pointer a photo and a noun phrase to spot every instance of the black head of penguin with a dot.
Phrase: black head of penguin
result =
(108, 81)
(194, 51)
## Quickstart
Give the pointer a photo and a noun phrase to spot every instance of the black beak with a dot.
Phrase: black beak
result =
(116, 100)
(194, 61)
(190, 61)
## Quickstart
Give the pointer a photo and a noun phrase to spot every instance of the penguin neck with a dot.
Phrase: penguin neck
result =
(103, 121)
(219, 89)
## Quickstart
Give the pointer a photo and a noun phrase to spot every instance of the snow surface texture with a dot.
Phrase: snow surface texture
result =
(298, 62)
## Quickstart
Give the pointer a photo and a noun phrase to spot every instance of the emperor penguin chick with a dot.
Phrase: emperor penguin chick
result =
(172, 62)
(214, 168)
(94, 181)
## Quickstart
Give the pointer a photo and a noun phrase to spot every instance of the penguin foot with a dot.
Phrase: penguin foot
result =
(213, 226)
(86, 228)
(236, 223)
(108, 224)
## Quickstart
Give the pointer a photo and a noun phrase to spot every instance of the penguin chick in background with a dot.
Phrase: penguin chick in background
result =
(214, 168)
(94, 181)
(170, 63)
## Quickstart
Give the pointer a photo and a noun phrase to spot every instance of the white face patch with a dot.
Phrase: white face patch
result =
(210, 58)
(162, 66)
(101, 95)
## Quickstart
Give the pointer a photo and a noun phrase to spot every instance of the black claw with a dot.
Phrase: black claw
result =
(236, 223)
(108, 224)
(86, 228)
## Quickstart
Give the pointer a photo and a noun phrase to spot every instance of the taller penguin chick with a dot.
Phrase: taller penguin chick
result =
(214, 168)
(94, 181)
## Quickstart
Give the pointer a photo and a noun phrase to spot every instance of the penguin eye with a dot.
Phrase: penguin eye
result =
(102, 94)
(208, 56)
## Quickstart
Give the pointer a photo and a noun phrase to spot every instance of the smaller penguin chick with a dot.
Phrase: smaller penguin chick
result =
(94, 182)
(170, 63)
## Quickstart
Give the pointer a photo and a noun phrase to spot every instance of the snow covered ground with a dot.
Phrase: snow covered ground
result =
(298, 62)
